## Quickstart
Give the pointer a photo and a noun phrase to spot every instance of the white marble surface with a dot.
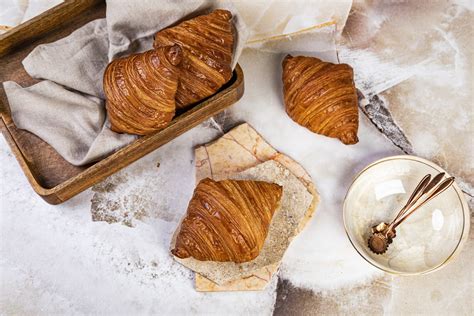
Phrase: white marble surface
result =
(57, 260)
(417, 55)
(92, 266)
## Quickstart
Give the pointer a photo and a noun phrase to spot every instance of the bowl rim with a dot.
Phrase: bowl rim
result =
(462, 200)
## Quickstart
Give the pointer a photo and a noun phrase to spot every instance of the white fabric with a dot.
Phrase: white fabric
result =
(270, 18)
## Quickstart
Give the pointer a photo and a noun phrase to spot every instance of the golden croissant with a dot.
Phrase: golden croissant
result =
(321, 96)
(207, 41)
(227, 220)
(140, 90)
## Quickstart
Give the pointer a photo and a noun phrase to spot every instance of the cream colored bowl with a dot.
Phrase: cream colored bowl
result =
(426, 240)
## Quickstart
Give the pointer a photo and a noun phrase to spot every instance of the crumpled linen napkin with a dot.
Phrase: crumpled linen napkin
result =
(77, 61)
(67, 109)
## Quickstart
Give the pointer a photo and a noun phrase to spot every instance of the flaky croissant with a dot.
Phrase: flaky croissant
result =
(140, 90)
(227, 220)
(321, 96)
(208, 42)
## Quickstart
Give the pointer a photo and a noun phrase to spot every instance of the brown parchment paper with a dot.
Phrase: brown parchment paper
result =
(240, 149)
(294, 203)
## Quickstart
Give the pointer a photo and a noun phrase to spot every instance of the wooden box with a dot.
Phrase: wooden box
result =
(53, 178)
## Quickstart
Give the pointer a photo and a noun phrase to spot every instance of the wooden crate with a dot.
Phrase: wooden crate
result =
(52, 177)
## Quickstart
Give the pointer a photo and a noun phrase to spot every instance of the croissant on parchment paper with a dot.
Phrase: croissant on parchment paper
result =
(140, 90)
(321, 96)
(227, 220)
(207, 41)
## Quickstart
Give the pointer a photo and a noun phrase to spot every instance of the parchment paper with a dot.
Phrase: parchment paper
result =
(240, 149)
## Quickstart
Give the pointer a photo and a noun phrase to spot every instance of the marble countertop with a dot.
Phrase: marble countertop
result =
(106, 250)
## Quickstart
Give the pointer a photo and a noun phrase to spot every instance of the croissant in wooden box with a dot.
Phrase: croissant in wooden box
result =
(321, 96)
(227, 220)
(140, 90)
(207, 41)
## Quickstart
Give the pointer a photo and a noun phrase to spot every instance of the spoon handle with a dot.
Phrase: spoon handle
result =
(439, 189)
(436, 180)
(414, 196)
(424, 190)
(421, 189)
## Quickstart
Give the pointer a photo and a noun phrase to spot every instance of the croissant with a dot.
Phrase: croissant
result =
(321, 96)
(227, 220)
(140, 90)
(208, 42)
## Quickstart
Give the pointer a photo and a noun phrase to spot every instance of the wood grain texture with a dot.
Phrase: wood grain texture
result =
(43, 23)
(49, 174)
(87, 177)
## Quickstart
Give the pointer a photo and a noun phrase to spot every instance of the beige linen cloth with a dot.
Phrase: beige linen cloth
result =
(67, 108)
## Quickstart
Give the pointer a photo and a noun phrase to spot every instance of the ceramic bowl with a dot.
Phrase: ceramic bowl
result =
(425, 241)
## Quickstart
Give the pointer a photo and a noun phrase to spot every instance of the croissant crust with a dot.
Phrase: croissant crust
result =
(208, 42)
(227, 220)
(321, 96)
(140, 90)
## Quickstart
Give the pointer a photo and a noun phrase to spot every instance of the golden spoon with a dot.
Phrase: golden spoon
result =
(383, 233)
